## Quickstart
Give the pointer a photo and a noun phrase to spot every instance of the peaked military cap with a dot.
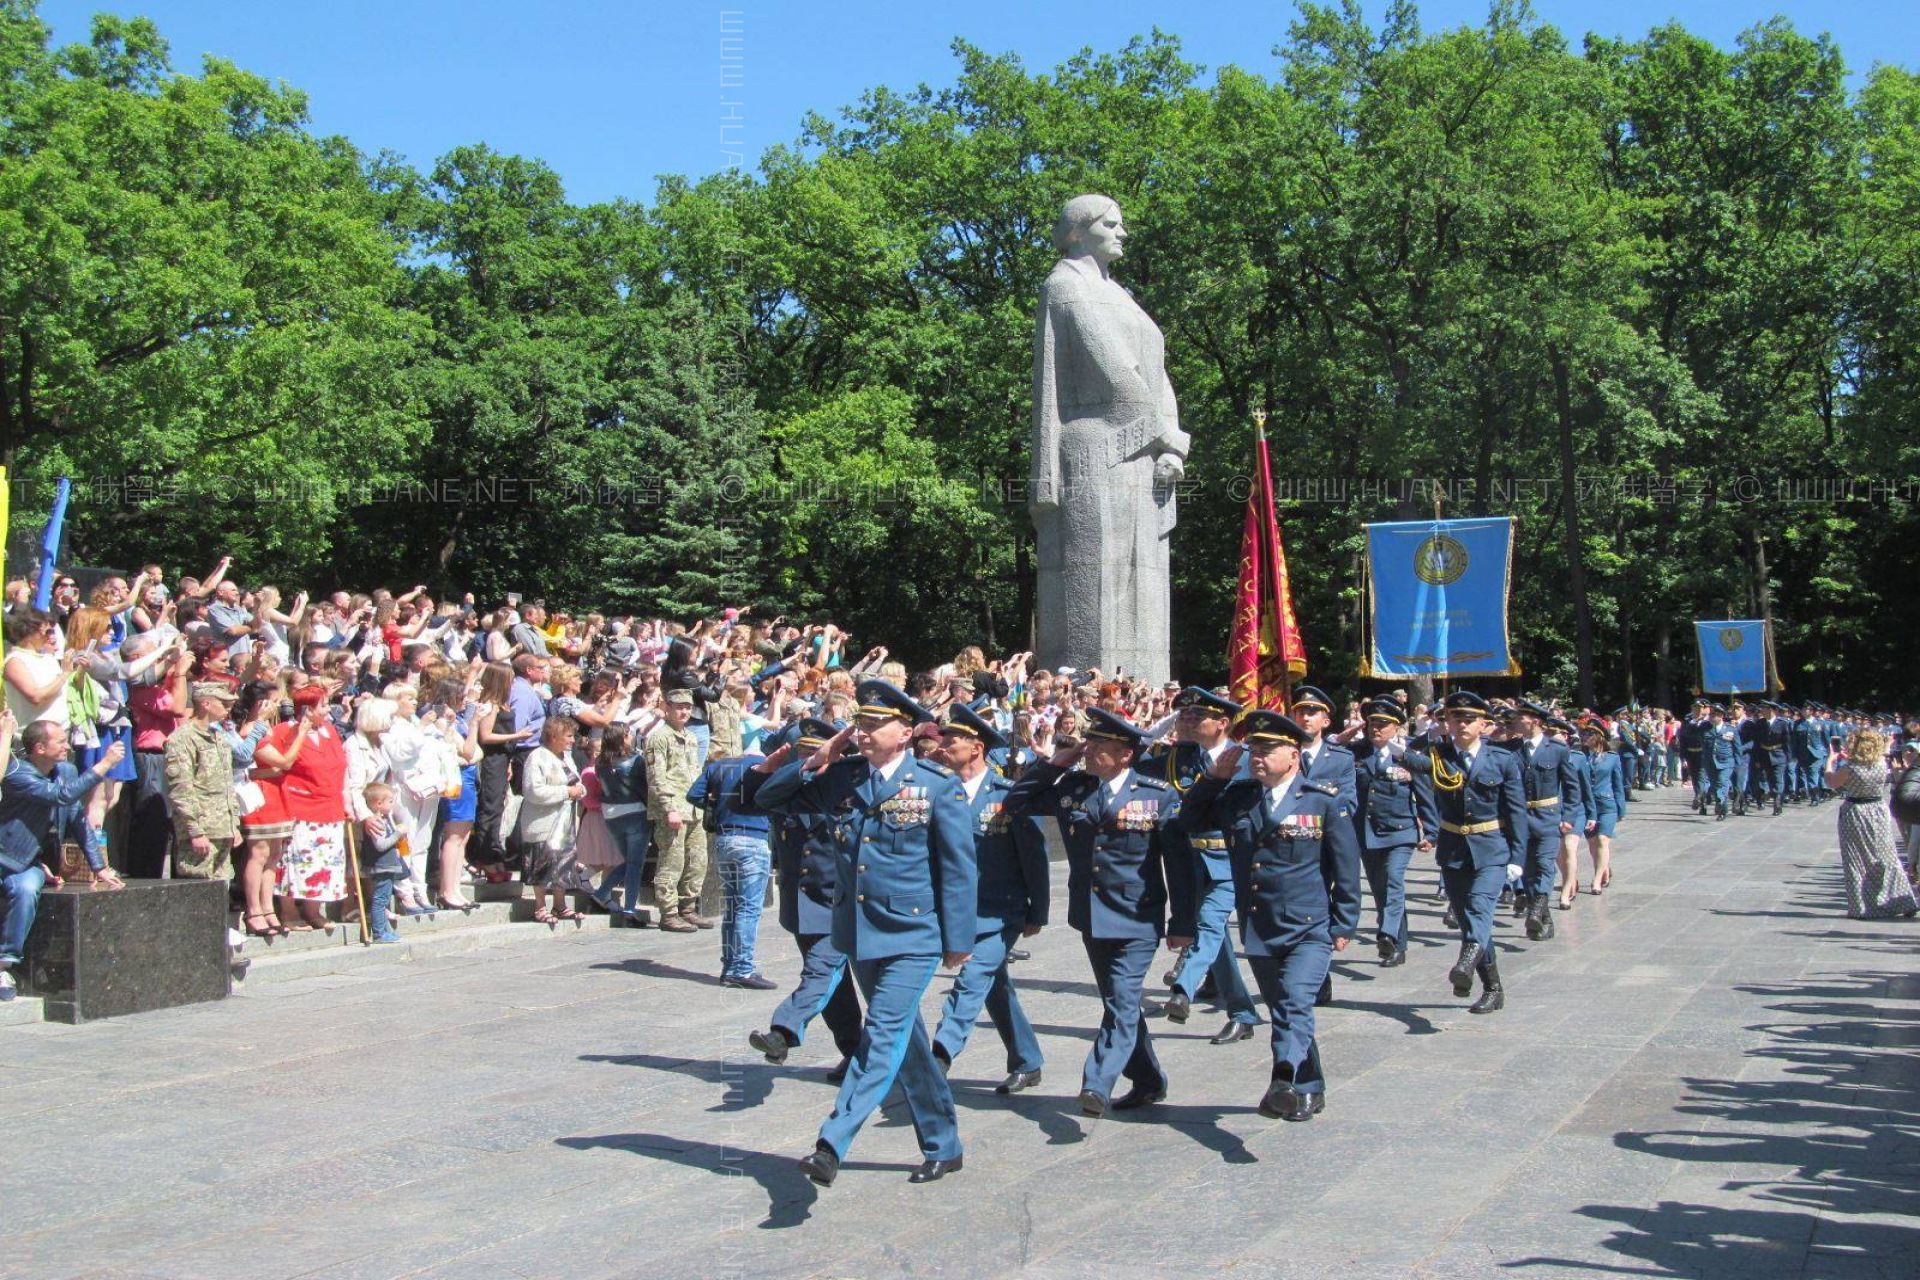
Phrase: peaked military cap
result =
(1264, 728)
(1384, 709)
(878, 698)
(1467, 700)
(1315, 699)
(812, 731)
(1206, 700)
(1533, 709)
(965, 720)
(1104, 726)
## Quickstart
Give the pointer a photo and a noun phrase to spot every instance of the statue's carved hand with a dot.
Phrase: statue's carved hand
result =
(1168, 469)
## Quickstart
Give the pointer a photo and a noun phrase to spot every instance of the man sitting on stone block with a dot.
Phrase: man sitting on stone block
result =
(39, 799)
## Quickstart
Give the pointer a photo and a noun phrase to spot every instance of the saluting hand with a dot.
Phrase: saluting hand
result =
(1068, 755)
(1228, 764)
(780, 756)
(831, 750)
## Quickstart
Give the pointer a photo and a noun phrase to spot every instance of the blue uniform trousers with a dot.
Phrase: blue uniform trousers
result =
(894, 1045)
(983, 983)
(1387, 879)
(1212, 951)
(1474, 893)
(824, 992)
(1288, 983)
(1714, 779)
(1122, 1045)
(1541, 865)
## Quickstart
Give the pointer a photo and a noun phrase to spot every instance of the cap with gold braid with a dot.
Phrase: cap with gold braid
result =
(1308, 698)
(1266, 728)
(814, 733)
(1385, 709)
(878, 698)
(964, 720)
(1104, 726)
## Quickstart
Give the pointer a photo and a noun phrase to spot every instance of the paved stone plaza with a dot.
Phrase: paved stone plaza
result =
(1709, 1073)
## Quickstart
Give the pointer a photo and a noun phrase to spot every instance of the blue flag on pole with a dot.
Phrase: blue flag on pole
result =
(1735, 656)
(1437, 598)
(50, 546)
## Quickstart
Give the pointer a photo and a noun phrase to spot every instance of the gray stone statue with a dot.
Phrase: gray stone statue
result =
(1107, 452)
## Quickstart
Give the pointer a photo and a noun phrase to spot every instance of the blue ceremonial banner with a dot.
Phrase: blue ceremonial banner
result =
(1437, 598)
(50, 546)
(1735, 657)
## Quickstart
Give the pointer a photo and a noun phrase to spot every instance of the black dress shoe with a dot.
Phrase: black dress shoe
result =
(934, 1170)
(839, 1074)
(1015, 954)
(1324, 996)
(1461, 975)
(1385, 947)
(821, 1165)
(1394, 961)
(1451, 920)
(1140, 1096)
(1092, 1104)
(1282, 1101)
(773, 1044)
(1233, 1033)
(1017, 1082)
(1178, 1006)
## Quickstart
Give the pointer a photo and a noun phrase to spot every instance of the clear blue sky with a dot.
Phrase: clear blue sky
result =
(614, 94)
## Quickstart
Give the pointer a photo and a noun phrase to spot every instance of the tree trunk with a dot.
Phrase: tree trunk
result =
(1663, 662)
(1570, 509)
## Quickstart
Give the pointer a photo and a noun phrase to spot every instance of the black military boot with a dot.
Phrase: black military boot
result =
(1522, 904)
(1461, 975)
(1493, 997)
(1542, 919)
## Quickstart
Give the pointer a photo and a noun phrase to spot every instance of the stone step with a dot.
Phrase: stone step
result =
(416, 944)
(19, 1011)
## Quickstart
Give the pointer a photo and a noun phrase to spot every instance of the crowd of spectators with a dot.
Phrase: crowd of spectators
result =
(211, 729)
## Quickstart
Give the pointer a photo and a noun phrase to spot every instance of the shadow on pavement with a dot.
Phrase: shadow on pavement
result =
(790, 1196)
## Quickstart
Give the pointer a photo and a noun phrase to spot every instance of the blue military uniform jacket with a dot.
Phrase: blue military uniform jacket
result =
(1387, 815)
(1721, 746)
(1117, 884)
(1552, 783)
(1607, 778)
(1011, 851)
(1490, 796)
(806, 860)
(1180, 765)
(1810, 740)
(905, 879)
(1776, 737)
(1296, 873)
(1334, 763)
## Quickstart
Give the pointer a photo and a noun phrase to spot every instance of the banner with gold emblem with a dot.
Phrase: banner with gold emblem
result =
(1736, 656)
(1437, 599)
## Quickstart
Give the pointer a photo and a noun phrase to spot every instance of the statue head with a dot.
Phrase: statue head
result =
(1090, 227)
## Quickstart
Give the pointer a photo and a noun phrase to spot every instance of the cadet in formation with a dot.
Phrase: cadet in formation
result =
(904, 903)
(1110, 817)
(1719, 753)
(1011, 854)
(1387, 819)
(1296, 881)
(806, 857)
(1477, 809)
(1552, 787)
(1201, 724)
(1323, 761)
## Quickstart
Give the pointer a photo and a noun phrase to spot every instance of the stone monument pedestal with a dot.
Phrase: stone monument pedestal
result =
(152, 945)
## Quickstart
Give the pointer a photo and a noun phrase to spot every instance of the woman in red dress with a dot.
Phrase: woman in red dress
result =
(313, 787)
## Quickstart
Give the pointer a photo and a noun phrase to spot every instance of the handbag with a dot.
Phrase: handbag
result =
(73, 864)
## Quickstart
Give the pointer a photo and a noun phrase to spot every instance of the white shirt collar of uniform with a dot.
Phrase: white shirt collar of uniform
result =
(1118, 781)
(1533, 743)
(974, 784)
(1213, 753)
(886, 771)
(1277, 795)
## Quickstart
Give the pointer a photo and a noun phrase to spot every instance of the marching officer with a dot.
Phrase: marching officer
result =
(1745, 734)
(1811, 739)
(1296, 876)
(1323, 761)
(1203, 718)
(1691, 739)
(1011, 854)
(1111, 817)
(806, 857)
(1387, 821)
(1718, 754)
(904, 902)
(1552, 784)
(1476, 805)
(1771, 751)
